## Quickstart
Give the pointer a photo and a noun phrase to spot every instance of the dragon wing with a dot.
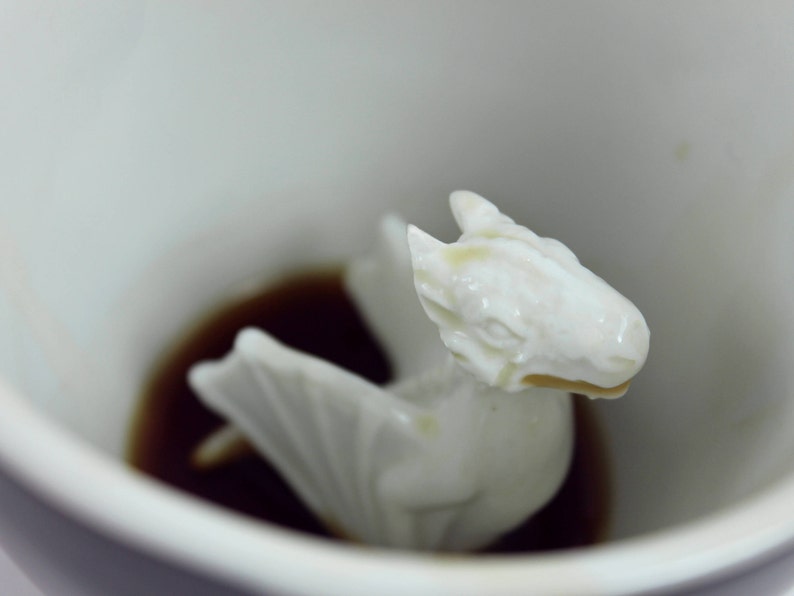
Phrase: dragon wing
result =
(330, 433)
(382, 286)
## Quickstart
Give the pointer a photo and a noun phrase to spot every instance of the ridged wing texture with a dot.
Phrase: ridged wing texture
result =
(330, 433)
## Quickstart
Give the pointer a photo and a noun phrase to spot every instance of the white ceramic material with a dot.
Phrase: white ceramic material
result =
(440, 459)
(157, 156)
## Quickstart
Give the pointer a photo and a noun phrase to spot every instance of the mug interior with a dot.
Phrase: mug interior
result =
(162, 160)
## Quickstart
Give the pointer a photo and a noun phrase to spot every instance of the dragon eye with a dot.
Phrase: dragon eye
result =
(498, 333)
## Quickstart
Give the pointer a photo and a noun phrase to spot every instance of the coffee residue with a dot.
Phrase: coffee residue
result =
(313, 313)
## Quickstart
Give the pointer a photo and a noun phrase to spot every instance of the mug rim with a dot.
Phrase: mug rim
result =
(62, 468)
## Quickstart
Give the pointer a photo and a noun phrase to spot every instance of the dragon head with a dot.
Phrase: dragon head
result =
(517, 310)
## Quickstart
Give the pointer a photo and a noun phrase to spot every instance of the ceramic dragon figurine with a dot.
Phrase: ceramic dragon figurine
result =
(476, 433)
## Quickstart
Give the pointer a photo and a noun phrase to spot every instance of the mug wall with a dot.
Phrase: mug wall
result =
(158, 159)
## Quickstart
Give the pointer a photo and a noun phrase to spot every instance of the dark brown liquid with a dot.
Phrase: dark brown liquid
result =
(313, 313)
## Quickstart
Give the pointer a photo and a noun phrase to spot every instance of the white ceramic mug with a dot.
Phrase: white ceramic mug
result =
(156, 155)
